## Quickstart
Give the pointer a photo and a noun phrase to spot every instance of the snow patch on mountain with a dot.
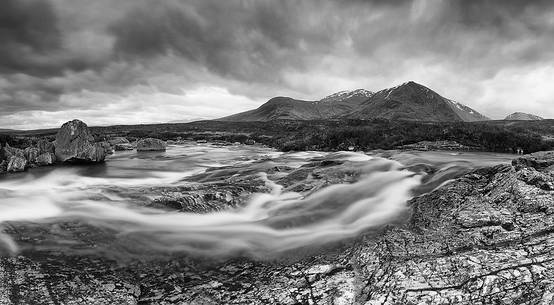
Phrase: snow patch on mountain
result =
(347, 94)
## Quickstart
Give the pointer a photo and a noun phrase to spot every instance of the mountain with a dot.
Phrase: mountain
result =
(520, 116)
(332, 106)
(415, 102)
(409, 101)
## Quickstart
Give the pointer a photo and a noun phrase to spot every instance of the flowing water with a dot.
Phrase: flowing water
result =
(39, 207)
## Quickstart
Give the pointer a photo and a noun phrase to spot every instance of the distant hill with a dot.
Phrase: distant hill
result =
(409, 101)
(520, 116)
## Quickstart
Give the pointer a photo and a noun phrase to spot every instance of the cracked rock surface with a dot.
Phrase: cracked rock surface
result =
(484, 238)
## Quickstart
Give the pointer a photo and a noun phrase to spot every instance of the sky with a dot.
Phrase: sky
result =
(142, 61)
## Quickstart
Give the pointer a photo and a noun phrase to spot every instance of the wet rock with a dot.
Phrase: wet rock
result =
(485, 238)
(538, 179)
(16, 164)
(45, 146)
(9, 152)
(107, 147)
(539, 160)
(46, 158)
(151, 144)
(123, 146)
(118, 140)
(31, 154)
(74, 143)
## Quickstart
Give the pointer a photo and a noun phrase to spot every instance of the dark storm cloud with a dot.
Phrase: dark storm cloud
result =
(28, 30)
(32, 40)
(54, 50)
(256, 40)
(252, 40)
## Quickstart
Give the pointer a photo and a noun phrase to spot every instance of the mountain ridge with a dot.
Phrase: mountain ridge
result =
(407, 101)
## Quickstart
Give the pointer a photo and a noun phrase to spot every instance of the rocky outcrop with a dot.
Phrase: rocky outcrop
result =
(16, 164)
(485, 238)
(8, 152)
(151, 144)
(45, 146)
(31, 154)
(45, 159)
(74, 143)
(539, 161)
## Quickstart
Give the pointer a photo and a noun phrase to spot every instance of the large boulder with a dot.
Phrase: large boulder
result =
(46, 158)
(151, 144)
(74, 143)
(16, 164)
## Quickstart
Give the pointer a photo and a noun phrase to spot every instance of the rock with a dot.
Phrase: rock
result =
(16, 164)
(31, 154)
(123, 146)
(538, 160)
(9, 151)
(485, 238)
(74, 143)
(45, 146)
(107, 147)
(151, 144)
(46, 158)
(118, 140)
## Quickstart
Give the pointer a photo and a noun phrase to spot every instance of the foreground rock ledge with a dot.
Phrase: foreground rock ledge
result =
(485, 238)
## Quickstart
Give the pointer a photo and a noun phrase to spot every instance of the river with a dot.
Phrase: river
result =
(107, 207)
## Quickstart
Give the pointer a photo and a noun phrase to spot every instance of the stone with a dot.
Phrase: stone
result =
(45, 146)
(123, 146)
(106, 146)
(16, 164)
(151, 144)
(74, 143)
(118, 140)
(46, 158)
(9, 151)
(31, 154)
(538, 160)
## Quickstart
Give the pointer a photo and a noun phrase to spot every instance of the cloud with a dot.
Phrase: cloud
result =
(61, 56)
